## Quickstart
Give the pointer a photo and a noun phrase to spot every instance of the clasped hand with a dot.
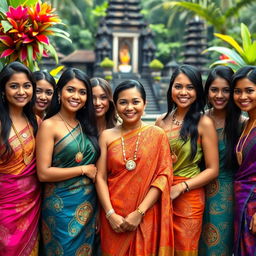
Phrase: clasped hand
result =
(120, 224)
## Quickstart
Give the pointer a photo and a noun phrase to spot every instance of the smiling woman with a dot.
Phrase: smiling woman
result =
(67, 150)
(20, 190)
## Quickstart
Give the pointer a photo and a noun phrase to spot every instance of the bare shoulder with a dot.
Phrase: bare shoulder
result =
(110, 135)
(159, 119)
(50, 125)
(206, 122)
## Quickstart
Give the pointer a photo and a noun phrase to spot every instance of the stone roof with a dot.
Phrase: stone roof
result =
(80, 56)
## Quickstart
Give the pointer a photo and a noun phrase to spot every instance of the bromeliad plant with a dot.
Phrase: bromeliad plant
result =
(239, 55)
(25, 31)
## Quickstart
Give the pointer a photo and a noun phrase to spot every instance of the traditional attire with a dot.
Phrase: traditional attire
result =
(19, 200)
(127, 190)
(245, 197)
(218, 232)
(188, 208)
(70, 206)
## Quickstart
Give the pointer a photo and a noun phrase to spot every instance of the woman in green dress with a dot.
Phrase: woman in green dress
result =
(67, 150)
(217, 234)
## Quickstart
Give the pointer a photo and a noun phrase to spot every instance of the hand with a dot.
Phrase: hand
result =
(116, 222)
(177, 189)
(252, 226)
(132, 221)
(90, 171)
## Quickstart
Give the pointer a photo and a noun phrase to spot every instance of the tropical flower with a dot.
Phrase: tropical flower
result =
(25, 31)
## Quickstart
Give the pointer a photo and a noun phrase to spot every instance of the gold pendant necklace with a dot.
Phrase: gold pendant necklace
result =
(79, 155)
(130, 164)
(239, 153)
(27, 158)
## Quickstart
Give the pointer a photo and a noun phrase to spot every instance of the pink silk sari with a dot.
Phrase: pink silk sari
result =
(19, 202)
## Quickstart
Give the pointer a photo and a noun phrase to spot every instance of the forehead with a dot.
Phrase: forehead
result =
(76, 83)
(219, 82)
(182, 79)
(244, 82)
(44, 84)
(98, 90)
(130, 93)
(19, 77)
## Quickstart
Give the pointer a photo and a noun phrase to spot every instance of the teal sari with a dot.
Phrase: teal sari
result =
(218, 223)
(70, 206)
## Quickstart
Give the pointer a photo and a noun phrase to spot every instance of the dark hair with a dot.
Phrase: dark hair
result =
(44, 75)
(231, 129)
(245, 72)
(192, 117)
(110, 117)
(86, 115)
(5, 75)
(128, 85)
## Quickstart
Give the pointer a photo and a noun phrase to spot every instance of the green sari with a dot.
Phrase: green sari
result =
(218, 232)
(70, 206)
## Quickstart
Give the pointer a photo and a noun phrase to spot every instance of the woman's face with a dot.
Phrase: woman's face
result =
(73, 95)
(100, 101)
(44, 93)
(219, 93)
(245, 95)
(130, 105)
(183, 91)
(18, 90)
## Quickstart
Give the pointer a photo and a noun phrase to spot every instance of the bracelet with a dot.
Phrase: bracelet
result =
(109, 213)
(140, 211)
(83, 170)
(187, 187)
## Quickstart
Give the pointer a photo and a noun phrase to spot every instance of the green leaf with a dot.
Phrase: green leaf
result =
(52, 51)
(228, 52)
(15, 3)
(246, 37)
(250, 53)
(58, 30)
(6, 25)
(231, 41)
(3, 6)
(30, 56)
(40, 48)
(63, 36)
(234, 66)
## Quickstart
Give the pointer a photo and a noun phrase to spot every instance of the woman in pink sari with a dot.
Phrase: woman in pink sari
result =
(19, 187)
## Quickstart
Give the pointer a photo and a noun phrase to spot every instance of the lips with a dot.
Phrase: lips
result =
(21, 99)
(183, 99)
(219, 102)
(74, 103)
(41, 104)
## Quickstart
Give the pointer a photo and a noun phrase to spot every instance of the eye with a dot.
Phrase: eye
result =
(70, 89)
(136, 102)
(13, 86)
(178, 86)
(39, 91)
(27, 86)
(104, 97)
(49, 93)
(226, 90)
(237, 91)
(83, 92)
(122, 102)
(213, 89)
(250, 91)
(190, 87)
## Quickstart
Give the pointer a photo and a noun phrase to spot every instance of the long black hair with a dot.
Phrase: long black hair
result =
(5, 75)
(110, 117)
(190, 124)
(86, 115)
(231, 129)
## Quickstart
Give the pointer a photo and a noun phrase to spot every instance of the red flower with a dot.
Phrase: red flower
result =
(19, 13)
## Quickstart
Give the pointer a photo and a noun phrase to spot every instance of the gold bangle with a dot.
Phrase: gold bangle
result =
(83, 170)
(140, 211)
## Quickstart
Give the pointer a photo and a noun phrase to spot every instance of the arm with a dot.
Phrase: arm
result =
(209, 138)
(44, 150)
(114, 219)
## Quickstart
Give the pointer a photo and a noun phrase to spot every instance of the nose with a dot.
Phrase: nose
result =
(21, 90)
(129, 106)
(183, 91)
(96, 101)
(76, 95)
(42, 96)
(219, 94)
(243, 95)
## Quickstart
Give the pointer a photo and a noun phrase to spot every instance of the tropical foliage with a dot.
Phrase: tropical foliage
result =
(25, 31)
(238, 55)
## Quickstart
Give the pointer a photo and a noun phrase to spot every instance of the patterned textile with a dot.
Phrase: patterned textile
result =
(69, 206)
(19, 200)
(218, 232)
(245, 198)
(154, 236)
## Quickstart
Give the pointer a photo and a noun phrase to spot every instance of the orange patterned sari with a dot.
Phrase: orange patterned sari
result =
(127, 189)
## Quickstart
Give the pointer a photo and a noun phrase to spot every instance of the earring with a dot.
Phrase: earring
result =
(3, 98)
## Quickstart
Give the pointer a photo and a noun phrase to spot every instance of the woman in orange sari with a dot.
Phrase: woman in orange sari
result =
(133, 181)
(19, 189)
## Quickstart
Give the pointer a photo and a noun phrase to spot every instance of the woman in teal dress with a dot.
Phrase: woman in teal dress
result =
(67, 150)
(217, 234)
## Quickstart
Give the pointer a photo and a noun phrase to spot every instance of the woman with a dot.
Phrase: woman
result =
(244, 86)
(45, 92)
(217, 235)
(67, 150)
(20, 189)
(191, 135)
(103, 104)
(133, 190)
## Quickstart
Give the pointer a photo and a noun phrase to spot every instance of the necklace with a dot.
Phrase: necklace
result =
(239, 153)
(79, 155)
(218, 124)
(27, 158)
(175, 121)
(130, 164)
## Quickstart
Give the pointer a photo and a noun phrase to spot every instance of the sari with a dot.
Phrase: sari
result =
(127, 189)
(20, 200)
(188, 208)
(245, 197)
(69, 207)
(218, 223)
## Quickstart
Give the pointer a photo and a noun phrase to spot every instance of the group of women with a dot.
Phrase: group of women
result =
(76, 162)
